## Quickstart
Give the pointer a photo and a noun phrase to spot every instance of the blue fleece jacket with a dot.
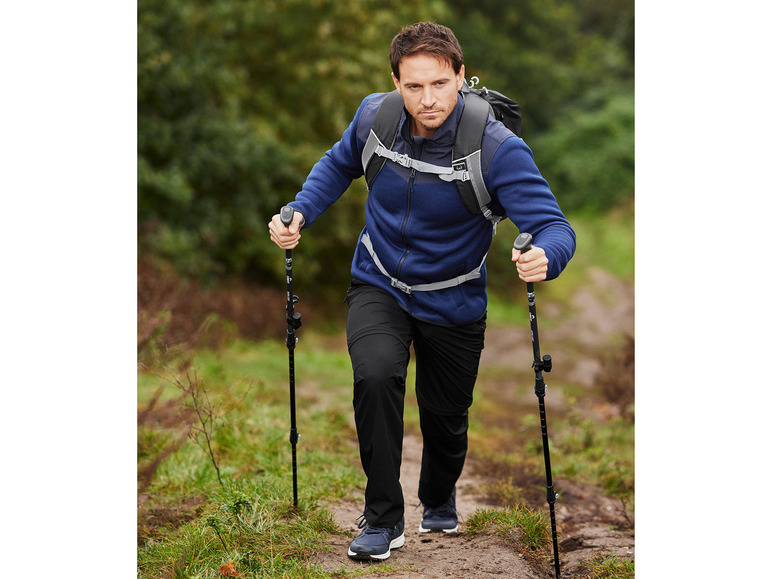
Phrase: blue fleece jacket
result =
(418, 225)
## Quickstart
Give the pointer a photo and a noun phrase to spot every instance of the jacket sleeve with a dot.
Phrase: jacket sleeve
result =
(530, 204)
(332, 174)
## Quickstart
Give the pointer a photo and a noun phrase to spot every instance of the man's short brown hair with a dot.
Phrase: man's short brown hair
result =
(426, 38)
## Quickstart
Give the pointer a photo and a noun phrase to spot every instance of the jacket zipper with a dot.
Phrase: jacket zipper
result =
(416, 155)
(403, 231)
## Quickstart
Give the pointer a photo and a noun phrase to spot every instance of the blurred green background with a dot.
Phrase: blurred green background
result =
(239, 98)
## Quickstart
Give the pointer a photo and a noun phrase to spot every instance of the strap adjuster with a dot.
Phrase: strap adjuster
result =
(403, 160)
(401, 286)
(461, 171)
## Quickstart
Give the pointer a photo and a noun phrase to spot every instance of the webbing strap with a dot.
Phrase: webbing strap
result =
(445, 173)
(421, 287)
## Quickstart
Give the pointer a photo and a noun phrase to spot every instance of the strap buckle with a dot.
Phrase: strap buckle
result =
(461, 171)
(401, 286)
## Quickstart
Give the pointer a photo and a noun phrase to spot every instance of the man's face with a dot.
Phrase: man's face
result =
(429, 87)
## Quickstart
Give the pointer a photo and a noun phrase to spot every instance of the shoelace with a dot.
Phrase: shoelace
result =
(369, 529)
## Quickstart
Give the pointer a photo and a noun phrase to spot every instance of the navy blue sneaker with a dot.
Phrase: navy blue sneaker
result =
(377, 542)
(443, 518)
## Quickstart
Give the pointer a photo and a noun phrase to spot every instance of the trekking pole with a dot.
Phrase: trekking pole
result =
(293, 323)
(540, 365)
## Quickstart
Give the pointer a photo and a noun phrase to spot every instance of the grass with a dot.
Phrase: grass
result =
(528, 530)
(601, 453)
(610, 567)
(599, 450)
(506, 310)
(245, 519)
(217, 486)
(610, 246)
(251, 524)
(249, 519)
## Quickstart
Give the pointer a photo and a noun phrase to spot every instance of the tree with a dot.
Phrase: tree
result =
(201, 157)
(569, 64)
(236, 101)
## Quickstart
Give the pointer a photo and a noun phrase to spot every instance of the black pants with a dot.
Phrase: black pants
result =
(379, 336)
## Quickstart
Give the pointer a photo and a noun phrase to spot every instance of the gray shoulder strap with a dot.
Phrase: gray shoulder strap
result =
(384, 130)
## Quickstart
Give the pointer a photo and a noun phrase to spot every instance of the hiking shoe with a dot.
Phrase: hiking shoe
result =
(377, 542)
(443, 518)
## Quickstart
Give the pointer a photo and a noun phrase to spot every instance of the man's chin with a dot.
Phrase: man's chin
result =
(431, 126)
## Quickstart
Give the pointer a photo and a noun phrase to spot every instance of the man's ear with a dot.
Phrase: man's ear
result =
(459, 77)
(396, 83)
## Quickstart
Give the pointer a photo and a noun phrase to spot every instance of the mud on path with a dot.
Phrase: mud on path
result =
(589, 522)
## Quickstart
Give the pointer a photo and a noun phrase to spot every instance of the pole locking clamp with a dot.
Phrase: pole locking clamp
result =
(545, 364)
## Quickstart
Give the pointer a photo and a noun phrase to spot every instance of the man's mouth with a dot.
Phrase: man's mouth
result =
(432, 113)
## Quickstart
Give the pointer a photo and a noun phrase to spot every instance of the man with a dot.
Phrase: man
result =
(418, 233)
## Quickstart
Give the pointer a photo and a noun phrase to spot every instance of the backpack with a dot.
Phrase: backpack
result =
(466, 170)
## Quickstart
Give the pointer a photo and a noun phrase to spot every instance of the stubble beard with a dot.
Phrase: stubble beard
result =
(432, 125)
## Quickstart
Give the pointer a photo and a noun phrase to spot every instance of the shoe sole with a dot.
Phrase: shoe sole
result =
(395, 544)
(422, 530)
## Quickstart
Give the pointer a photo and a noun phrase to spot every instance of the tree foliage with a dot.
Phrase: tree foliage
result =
(590, 156)
(568, 63)
(237, 99)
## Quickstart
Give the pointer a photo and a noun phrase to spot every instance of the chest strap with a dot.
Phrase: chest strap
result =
(466, 171)
(373, 146)
(421, 287)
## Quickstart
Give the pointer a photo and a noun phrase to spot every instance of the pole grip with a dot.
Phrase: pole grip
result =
(286, 214)
(523, 242)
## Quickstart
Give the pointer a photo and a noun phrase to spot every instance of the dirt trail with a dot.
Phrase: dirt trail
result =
(589, 522)
(432, 555)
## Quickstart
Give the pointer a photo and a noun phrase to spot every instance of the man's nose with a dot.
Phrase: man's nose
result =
(428, 97)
